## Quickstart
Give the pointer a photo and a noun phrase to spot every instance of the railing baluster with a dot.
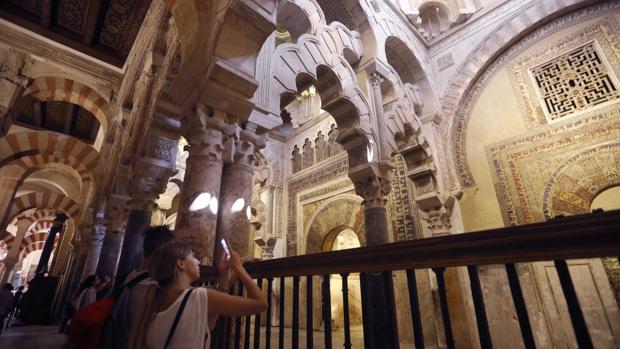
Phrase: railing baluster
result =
(390, 309)
(268, 318)
(295, 324)
(574, 309)
(519, 302)
(327, 314)
(237, 343)
(443, 299)
(257, 321)
(309, 324)
(281, 334)
(246, 335)
(481, 315)
(228, 326)
(345, 309)
(414, 303)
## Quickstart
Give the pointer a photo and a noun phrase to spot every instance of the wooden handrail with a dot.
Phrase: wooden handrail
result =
(582, 236)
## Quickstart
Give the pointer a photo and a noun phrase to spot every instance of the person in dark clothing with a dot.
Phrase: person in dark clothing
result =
(6, 303)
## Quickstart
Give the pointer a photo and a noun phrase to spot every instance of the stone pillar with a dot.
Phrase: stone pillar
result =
(8, 188)
(97, 234)
(374, 191)
(9, 264)
(384, 147)
(49, 244)
(206, 135)
(148, 180)
(236, 185)
(23, 224)
(379, 309)
(115, 220)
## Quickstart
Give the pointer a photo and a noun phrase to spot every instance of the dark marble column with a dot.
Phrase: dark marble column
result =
(206, 135)
(148, 180)
(49, 244)
(115, 220)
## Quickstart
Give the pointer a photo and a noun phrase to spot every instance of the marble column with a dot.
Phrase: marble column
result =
(148, 180)
(97, 234)
(49, 243)
(234, 225)
(9, 264)
(206, 135)
(384, 147)
(374, 191)
(115, 221)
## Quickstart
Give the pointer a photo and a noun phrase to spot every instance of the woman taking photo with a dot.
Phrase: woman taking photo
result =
(173, 315)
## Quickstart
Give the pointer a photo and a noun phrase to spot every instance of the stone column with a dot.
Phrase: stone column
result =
(23, 224)
(148, 180)
(97, 234)
(206, 135)
(115, 220)
(373, 185)
(237, 185)
(374, 191)
(8, 188)
(384, 147)
(49, 244)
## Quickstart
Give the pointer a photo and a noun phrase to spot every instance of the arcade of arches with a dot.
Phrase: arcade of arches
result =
(304, 126)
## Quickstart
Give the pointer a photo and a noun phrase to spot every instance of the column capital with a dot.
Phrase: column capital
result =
(373, 190)
(267, 244)
(147, 182)
(376, 79)
(116, 212)
(438, 216)
(246, 147)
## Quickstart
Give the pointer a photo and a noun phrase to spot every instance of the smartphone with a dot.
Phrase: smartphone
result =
(226, 249)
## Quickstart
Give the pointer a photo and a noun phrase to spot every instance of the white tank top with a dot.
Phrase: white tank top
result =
(193, 328)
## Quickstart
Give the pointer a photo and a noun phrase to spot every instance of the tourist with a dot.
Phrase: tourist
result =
(87, 293)
(175, 268)
(6, 303)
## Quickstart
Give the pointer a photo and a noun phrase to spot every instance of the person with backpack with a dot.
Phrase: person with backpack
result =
(107, 323)
(175, 315)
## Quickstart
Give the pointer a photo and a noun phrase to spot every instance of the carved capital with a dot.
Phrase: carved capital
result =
(116, 212)
(246, 147)
(147, 182)
(376, 80)
(267, 246)
(438, 216)
(374, 190)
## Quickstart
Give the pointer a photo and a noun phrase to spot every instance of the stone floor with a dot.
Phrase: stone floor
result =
(47, 337)
(44, 337)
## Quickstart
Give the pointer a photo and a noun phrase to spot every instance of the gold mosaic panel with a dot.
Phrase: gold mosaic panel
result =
(526, 168)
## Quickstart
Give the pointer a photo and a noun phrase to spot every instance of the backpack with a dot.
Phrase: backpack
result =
(117, 328)
(89, 323)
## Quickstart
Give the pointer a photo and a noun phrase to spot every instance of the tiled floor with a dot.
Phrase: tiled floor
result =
(21, 337)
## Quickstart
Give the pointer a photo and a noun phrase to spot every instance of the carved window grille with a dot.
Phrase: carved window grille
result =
(576, 81)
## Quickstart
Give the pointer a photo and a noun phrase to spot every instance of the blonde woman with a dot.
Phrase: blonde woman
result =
(175, 268)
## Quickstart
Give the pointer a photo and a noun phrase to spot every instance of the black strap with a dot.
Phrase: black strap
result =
(131, 283)
(178, 317)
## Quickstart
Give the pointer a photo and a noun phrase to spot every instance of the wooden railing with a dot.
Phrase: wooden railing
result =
(584, 236)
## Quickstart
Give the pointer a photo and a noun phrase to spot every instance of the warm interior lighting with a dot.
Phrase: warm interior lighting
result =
(200, 202)
(248, 212)
(237, 206)
(370, 150)
(213, 205)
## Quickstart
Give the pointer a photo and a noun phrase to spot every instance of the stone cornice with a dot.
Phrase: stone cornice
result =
(28, 42)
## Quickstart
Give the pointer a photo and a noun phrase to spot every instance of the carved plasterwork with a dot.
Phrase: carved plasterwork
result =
(456, 128)
(599, 39)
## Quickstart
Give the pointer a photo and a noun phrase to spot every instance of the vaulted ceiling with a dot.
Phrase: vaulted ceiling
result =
(105, 29)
